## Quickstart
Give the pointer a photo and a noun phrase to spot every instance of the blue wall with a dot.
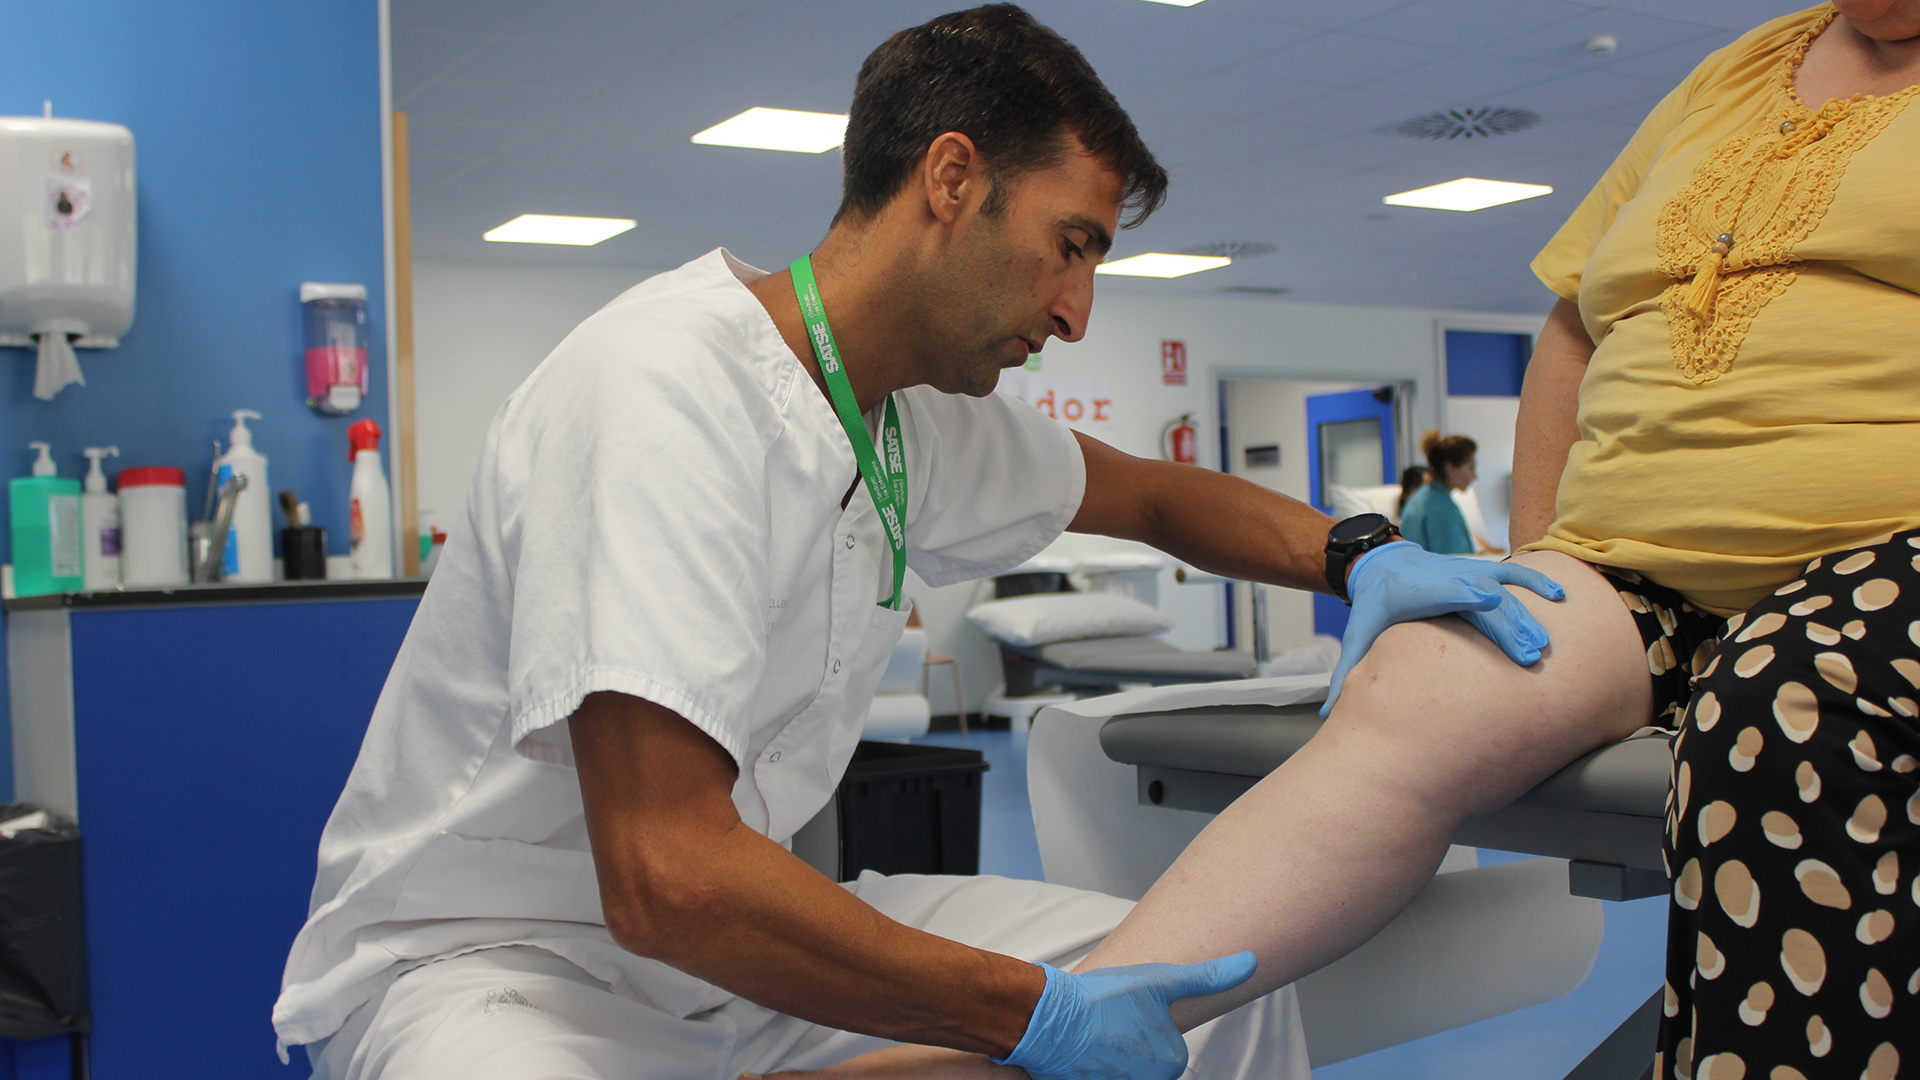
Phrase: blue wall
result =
(257, 140)
(1486, 365)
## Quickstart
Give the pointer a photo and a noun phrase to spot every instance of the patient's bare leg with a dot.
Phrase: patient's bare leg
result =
(1435, 725)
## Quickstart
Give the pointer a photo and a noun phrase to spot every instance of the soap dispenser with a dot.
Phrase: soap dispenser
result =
(249, 552)
(99, 525)
(46, 529)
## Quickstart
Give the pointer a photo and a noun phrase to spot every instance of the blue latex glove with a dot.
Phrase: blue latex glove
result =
(1402, 582)
(1115, 1023)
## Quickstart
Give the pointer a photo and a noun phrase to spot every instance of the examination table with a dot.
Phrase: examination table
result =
(1121, 784)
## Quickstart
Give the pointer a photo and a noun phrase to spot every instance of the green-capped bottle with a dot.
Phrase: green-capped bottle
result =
(46, 529)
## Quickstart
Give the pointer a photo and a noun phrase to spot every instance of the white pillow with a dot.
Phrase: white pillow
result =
(1378, 499)
(1044, 618)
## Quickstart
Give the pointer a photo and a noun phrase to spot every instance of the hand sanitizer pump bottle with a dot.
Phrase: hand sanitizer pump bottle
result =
(46, 529)
(99, 525)
(249, 553)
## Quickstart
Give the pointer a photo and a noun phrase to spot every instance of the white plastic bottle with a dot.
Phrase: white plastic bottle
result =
(372, 519)
(249, 551)
(99, 526)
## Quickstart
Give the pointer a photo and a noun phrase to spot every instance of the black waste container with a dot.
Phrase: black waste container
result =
(907, 809)
(43, 952)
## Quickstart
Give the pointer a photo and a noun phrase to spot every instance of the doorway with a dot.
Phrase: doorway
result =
(1299, 437)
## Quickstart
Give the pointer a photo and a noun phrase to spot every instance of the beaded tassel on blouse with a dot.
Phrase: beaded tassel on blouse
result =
(1795, 137)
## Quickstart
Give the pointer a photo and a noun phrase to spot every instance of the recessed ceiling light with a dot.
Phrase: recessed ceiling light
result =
(1162, 265)
(778, 129)
(1175, 3)
(1467, 193)
(557, 229)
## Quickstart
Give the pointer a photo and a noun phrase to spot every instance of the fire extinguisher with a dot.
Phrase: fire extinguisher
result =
(1180, 441)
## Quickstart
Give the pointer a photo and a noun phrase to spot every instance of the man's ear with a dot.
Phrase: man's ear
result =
(952, 175)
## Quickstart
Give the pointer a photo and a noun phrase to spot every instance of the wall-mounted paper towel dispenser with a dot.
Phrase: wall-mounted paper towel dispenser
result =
(67, 240)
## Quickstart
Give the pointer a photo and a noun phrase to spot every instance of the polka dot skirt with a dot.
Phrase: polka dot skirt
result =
(1793, 829)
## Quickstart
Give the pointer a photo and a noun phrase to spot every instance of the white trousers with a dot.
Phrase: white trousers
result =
(522, 1013)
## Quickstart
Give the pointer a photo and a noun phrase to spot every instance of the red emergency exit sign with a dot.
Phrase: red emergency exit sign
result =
(1173, 363)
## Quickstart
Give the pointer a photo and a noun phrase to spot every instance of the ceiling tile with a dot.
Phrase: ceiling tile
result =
(1673, 64)
(1566, 42)
(1460, 25)
(1341, 59)
(1194, 40)
(419, 55)
(1351, 111)
(1592, 92)
(1737, 15)
(1216, 97)
(645, 27)
(1322, 14)
(1467, 79)
(481, 17)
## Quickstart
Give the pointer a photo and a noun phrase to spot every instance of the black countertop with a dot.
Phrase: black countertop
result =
(279, 592)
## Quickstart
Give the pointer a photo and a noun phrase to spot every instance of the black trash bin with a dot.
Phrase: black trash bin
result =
(43, 952)
(908, 809)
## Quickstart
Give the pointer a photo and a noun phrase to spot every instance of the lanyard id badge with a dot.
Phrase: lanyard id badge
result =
(886, 480)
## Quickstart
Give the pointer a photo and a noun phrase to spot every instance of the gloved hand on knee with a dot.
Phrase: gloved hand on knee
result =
(1116, 1022)
(1403, 582)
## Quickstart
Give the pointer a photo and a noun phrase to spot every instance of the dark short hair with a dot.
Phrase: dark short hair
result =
(1013, 86)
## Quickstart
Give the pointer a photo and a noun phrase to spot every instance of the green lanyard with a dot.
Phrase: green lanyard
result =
(889, 498)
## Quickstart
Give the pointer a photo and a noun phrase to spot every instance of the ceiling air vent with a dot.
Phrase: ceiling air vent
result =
(1255, 290)
(1481, 123)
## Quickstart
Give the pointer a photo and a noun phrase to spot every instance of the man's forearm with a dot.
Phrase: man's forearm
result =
(772, 930)
(1233, 527)
(1219, 523)
(685, 882)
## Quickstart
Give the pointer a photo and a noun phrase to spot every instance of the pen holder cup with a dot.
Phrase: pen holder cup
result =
(304, 552)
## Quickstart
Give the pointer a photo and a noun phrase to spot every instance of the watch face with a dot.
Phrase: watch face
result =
(1355, 529)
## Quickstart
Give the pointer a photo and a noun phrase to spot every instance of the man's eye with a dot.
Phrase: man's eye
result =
(1072, 250)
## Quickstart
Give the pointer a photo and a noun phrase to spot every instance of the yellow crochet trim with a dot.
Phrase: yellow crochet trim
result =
(1728, 237)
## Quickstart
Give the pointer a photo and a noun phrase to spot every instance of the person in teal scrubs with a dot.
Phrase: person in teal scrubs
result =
(1431, 519)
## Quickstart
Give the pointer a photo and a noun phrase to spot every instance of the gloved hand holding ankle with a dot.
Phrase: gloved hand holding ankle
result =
(1404, 582)
(1116, 1022)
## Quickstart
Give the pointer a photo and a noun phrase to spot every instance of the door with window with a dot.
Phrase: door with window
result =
(1352, 441)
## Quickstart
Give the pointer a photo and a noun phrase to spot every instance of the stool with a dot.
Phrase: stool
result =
(959, 698)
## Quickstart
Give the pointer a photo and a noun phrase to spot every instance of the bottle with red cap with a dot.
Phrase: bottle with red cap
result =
(153, 526)
(372, 513)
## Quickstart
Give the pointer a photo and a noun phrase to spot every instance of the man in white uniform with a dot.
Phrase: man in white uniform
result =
(648, 648)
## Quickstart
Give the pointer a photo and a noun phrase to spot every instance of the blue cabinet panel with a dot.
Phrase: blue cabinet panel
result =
(211, 744)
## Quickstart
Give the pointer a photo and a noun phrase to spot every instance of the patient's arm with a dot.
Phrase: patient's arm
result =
(1435, 725)
(1548, 425)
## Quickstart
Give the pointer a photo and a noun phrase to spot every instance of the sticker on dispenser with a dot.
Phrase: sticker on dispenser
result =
(68, 163)
(68, 200)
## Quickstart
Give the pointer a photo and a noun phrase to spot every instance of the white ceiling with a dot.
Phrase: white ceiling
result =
(1275, 117)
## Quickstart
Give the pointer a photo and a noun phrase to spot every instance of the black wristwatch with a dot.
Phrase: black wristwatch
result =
(1350, 539)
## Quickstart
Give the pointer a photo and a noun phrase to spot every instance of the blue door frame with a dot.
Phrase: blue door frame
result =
(1329, 614)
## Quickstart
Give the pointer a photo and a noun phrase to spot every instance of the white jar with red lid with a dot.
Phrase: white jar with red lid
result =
(153, 526)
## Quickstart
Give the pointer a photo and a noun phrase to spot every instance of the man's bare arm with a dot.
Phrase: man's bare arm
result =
(684, 881)
(1547, 428)
(1213, 521)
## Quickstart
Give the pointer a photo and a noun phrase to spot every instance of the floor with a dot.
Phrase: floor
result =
(1544, 1042)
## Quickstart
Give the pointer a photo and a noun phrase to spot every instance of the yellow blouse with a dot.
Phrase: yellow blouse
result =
(1750, 272)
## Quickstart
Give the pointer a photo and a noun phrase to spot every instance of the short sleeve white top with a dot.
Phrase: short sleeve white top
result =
(657, 512)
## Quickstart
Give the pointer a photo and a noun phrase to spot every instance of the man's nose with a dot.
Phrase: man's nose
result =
(1070, 312)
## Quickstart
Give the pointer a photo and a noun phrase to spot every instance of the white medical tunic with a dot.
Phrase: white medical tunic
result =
(657, 512)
